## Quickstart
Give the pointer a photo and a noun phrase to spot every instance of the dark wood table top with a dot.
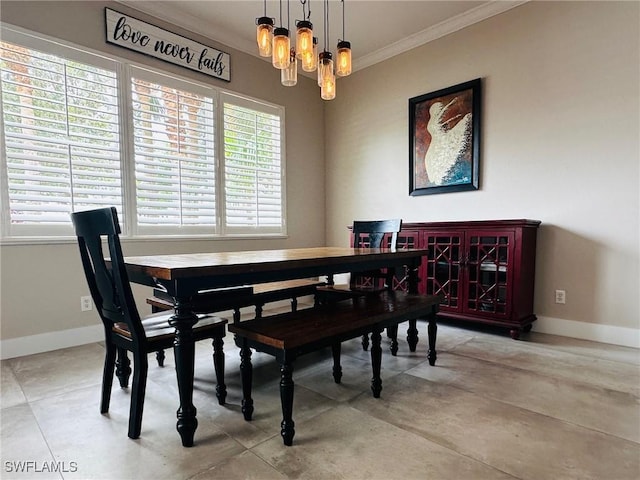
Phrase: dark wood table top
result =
(221, 269)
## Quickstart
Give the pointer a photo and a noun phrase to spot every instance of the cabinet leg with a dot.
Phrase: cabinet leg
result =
(515, 333)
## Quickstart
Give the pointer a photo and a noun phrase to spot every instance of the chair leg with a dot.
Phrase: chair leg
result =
(138, 389)
(107, 376)
(160, 358)
(123, 368)
(218, 365)
(294, 304)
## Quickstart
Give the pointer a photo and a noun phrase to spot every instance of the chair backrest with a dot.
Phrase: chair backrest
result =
(109, 287)
(371, 232)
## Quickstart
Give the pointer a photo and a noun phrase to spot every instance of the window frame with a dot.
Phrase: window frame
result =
(124, 69)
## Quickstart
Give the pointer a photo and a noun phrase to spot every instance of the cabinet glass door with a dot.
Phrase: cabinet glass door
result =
(443, 269)
(489, 271)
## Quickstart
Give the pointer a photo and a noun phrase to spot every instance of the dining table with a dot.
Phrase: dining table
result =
(182, 276)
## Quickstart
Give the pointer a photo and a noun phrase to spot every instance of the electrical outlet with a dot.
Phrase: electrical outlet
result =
(561, 296)
(85, 304)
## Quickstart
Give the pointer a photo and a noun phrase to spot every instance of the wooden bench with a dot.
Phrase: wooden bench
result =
(289, 335)
(235, 298)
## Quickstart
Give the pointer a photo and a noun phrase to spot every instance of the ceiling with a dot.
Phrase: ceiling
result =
(377, 29)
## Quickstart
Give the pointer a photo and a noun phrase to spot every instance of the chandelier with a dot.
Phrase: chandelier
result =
(275, 43)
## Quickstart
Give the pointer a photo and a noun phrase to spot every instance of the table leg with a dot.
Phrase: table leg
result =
(376, 362)
(286, 399)
(184, 352)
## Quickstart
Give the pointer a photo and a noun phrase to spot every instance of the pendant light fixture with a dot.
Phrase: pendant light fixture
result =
(281, 55)
(304, 34)
(289, 75)
(343, 53)
(264, 33)
(326, 77)
(276, 43)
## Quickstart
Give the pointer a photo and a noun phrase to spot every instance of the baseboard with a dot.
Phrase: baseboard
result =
(46, 342)
(628, 337)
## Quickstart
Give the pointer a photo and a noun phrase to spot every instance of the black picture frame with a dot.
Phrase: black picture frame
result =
(444, 140)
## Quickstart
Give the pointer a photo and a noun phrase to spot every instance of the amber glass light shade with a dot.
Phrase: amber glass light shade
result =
(328, 88)
(325, 66)
(343, 59)
(310, 60)
(281, 48)
(289, 75)
(264, 36)
(304, 38)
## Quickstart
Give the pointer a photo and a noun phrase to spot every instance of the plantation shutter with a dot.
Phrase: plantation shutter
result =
(173, 128)
(61, 138)
(253, 166)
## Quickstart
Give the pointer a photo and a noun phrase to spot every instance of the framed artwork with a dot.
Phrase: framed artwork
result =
(444, 140)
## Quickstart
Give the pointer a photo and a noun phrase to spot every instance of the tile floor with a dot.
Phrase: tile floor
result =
(545, 407)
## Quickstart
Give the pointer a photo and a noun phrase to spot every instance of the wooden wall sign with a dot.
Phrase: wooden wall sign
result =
(134, 34)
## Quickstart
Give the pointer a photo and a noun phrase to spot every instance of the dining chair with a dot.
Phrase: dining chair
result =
(367, 234)
(124, 329)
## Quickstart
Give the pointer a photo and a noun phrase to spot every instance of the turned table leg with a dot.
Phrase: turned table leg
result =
(184, 352)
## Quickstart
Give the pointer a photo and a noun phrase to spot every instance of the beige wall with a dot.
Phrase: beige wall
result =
(41, 285)
(560, 144)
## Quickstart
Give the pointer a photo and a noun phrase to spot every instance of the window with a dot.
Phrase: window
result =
(252, 166)
(83, 131)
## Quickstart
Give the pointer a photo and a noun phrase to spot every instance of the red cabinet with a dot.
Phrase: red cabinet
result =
(484, 269)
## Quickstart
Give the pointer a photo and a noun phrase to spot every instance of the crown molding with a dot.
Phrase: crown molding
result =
(439, 30)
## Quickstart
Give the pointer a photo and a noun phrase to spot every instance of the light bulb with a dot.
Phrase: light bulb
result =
(264, 36)
(281, 48)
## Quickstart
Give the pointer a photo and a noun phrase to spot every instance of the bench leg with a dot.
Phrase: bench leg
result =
(392, 333)
(218, 365)
(365, 342)
(337, 368)
(376, 362)
(412, 335)
(286, 399)
(432, 331)
(246, 373)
